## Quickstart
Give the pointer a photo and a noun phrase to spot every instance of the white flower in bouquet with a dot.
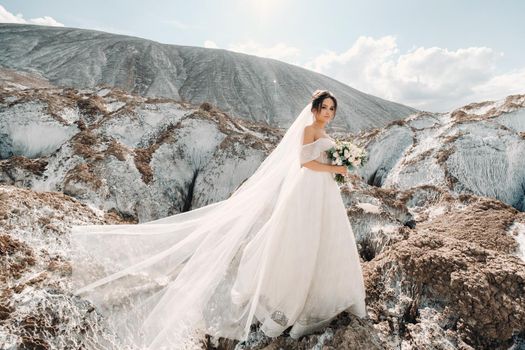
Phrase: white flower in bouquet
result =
(346, 153)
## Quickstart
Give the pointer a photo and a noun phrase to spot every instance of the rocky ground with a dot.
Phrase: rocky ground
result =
(37, 309)
(439, 223)
(441, 272)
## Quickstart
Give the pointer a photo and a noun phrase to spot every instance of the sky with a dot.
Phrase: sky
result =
(431, 55)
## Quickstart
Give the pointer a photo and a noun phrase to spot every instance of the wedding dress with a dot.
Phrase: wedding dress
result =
(280, 251)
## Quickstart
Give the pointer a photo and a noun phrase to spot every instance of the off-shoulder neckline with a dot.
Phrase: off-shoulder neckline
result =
(329, 138)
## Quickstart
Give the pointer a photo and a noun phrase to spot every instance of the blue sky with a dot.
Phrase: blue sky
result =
(433, 55)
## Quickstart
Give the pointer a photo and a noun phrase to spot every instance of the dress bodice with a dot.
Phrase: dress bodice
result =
(317, 150)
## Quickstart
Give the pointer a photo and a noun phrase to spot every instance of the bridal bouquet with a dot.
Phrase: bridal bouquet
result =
(346, 153)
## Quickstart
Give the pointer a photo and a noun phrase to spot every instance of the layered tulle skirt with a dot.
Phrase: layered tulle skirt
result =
(292, 263)
(309, 267)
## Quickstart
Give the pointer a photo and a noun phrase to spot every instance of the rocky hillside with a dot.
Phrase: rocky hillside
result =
(144, 158)
(241, 85)
(476, 149)
(438, 214)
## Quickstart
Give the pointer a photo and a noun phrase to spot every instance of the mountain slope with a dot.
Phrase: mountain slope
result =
(239, 84)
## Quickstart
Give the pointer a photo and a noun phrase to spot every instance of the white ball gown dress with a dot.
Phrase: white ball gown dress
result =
(280, 251)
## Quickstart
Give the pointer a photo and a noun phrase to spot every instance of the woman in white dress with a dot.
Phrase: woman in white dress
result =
(279, 251)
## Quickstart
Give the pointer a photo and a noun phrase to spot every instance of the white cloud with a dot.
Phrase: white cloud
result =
(434, 79)
(8, 17)
(46, 21)
(279, 51)
(502, 85)
(210, 44)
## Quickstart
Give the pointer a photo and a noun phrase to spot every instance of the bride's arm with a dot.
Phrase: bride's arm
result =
(315, 165)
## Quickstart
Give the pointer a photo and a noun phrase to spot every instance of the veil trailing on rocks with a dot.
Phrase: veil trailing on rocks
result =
(157, 282)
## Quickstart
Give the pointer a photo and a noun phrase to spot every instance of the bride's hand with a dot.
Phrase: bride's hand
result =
(341, 169)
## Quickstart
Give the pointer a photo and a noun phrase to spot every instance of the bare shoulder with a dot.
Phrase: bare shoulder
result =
(309, 134)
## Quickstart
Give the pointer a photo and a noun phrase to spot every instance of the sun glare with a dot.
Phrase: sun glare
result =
(263, 8)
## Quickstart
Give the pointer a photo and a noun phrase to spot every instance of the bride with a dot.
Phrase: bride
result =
(279, 252)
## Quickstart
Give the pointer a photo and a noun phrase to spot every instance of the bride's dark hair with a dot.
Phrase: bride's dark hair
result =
(318, 97)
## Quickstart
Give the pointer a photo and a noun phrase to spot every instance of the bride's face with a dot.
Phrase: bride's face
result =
(326, 112)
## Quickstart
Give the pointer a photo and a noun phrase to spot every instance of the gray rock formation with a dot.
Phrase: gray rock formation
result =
(144, 158)
(476, 149)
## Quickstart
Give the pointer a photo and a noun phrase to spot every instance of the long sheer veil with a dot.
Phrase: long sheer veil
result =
(158, 281)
